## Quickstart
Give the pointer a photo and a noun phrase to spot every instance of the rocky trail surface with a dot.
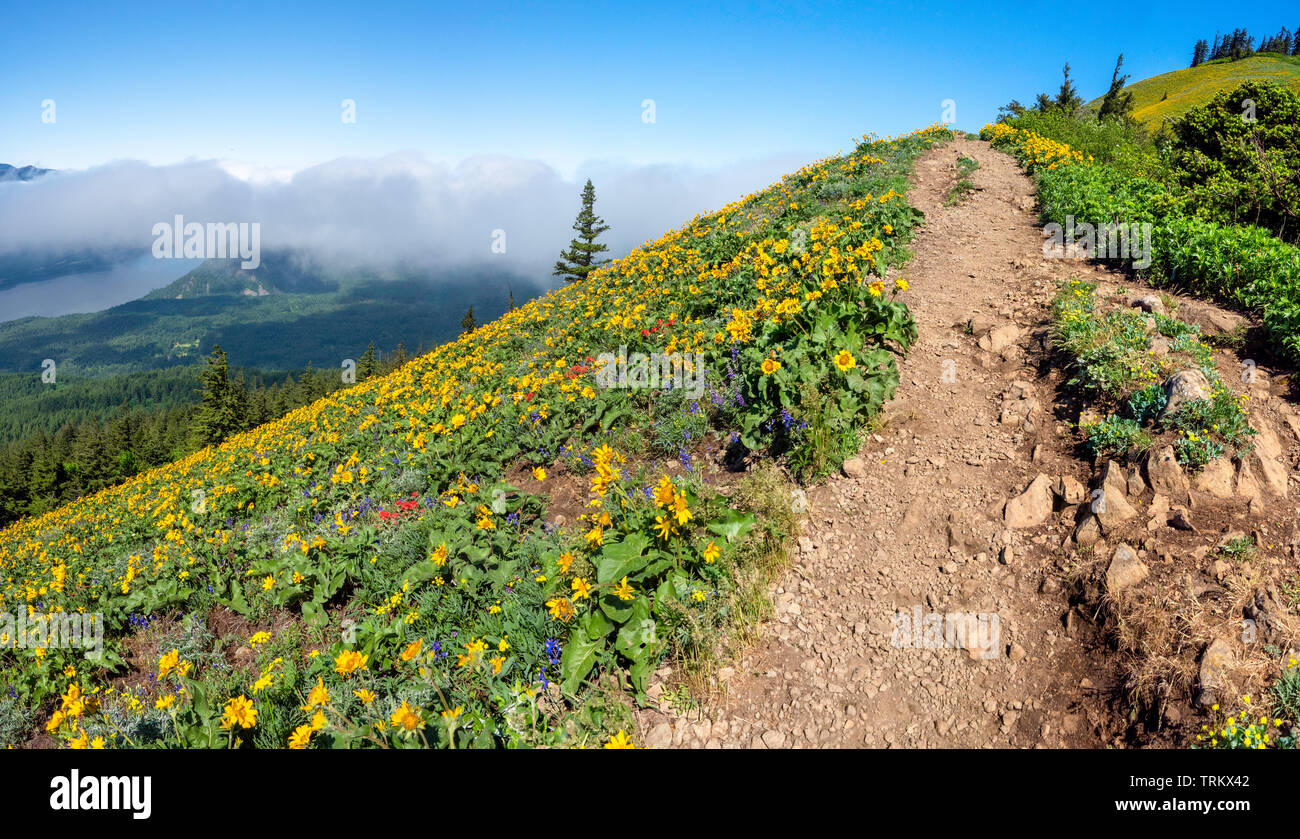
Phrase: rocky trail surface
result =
(946, 510)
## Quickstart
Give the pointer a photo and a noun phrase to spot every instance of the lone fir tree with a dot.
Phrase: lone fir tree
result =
(1067, 98)
(1118, 102)
(578, 261)
(220, 412)
(368, 366)
(467, 323)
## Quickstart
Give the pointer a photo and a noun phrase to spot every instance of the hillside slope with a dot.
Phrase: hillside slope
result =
(1170, 95)
(494, 500)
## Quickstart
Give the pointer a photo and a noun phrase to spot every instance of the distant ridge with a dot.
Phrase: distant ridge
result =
(23, 173)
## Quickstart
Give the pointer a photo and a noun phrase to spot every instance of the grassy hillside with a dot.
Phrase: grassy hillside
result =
(476, 548)
(1193, 86)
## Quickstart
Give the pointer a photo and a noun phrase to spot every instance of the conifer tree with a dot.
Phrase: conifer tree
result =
(1067, 98)
(1117, 103)
(579, 260)
(1200, 52)
(467, 323)
(367, 367)
(217, 415)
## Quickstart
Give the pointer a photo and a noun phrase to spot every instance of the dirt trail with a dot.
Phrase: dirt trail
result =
(920, 523)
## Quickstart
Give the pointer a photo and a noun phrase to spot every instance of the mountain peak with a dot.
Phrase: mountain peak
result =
(21, 173)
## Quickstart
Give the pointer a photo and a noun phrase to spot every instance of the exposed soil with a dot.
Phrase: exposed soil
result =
(917, 522)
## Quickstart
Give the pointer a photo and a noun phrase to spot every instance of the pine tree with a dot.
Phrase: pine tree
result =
(216, 417)
(1117, 103)
(1067, 98)
(467, 323)
(240, 405)
(579, 260)
(399, 356)
(367, 367)
(1199, 53)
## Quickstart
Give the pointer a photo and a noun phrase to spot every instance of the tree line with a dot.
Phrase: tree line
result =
(45, 470)
(1239, 44)
(1116, 104)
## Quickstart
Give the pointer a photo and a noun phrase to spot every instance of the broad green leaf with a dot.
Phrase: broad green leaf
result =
(620, 559)
(733, 525)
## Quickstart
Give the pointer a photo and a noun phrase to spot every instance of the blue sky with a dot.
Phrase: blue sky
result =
(562, 83)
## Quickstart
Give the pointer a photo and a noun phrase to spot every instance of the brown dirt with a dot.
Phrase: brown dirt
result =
(921, 524)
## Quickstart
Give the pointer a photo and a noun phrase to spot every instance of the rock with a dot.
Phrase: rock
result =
(1181, 519)
(1183, 387)
(1228, 537)
(979, 324)
(1149, 303)
(1032, 507)
(1070, 490)
(1136, 486)
(1221, 570)
(1158, 345)
(855, 467)
(660, 737)
(773, 739)
(1268, 613)
(1215, 665)
(1111, 507)
(1020, 389)
(1268, 455)
(1217, 479)
(1166, 475)
(999, 338)
(1016, 653)
(1293, 422)
(1088, 531)
(1212, 320)
(1125, 570)
(1247, 486)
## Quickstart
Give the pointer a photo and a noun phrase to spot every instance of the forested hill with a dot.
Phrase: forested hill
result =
(276, 331)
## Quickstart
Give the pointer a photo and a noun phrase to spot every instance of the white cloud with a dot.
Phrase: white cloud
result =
(400, 208)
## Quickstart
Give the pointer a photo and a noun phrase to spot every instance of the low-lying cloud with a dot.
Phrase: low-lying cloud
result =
(397, 209)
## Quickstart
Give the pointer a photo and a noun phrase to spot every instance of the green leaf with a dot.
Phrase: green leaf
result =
(313, 614)
(579, 657)
(733, 525)
(615, 609)
(620, 559)
(420, 572)
(236, 602)
(637, 638)
(595, 625)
